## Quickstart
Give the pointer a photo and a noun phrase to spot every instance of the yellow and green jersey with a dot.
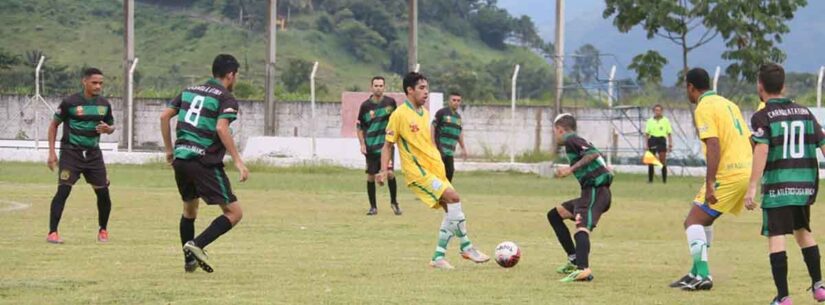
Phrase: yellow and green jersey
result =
(372, 120)
(447, 124)
(80, 117)
(410, 129)
(717, 117)
(199, 109)
(793, 136)
(658, 128)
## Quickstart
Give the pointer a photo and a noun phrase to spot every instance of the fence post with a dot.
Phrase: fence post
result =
(312, 100)
(513, 115)
(612, 136)
(130, 101)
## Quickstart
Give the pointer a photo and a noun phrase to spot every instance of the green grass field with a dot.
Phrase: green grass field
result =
(304, 239)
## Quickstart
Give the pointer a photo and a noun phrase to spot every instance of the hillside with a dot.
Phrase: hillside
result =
(176, 45)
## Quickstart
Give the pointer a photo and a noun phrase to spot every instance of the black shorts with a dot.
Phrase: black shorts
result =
(196, 180)
(449, 166)
(657, 144)
(74, 162)
(587, 210)
(785, 220)
(374, 163)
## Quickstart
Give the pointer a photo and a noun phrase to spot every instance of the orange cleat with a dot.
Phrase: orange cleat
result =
(54, 238)
(103, 236)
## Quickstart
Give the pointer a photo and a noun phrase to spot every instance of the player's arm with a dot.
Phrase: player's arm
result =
(225, 135)
(386, 155)
(61, 115)
(669, 137)
(107, 124)
(362, 141)
(166, 131)
(714, 154)
(760, 157)
(360, 128)
(463, 148)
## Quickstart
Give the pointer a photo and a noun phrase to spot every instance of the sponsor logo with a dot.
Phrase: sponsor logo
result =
(79, 110)
(703, 128)
(64, 174)
(390, 132)
(449, 119)
(372, 114)
(414, 127)
(101, 110)
(230, 110)
(759, 132)
(437, 184)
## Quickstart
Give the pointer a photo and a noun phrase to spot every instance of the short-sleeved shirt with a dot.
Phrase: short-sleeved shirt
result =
(593, 174)
(447, 124)
(658, 128)
(81, 116)
(410, 129)
(717, 117)
(372, 120)
(199, 108)
(793, 136)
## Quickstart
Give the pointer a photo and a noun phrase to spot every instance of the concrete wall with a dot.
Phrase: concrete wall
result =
(487, 128)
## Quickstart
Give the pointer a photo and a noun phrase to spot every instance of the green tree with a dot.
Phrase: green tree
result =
(648, 67)
(361, 41)
(7, 60)
(586, 63)
(296, 74)
(494, 25)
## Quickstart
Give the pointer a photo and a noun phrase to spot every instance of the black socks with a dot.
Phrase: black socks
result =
(393, 188)
(811, 256)
(58, 203)
(104, 207)
(582, 249)
(562, 233)
(779, 268)
(371, 193)
(219, 226)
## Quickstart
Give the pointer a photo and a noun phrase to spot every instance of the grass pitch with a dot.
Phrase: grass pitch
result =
(304, 239)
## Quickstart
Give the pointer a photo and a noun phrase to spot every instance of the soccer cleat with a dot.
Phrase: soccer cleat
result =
(697, 284)
(475, 255)
(396, 209)
(818, 291)
(190, 266)
(372, 212)
(580, 275)
(441, 263)
(783, 301)
(567, 268)
(681, 282)
(54, 238)
(103, 236)
(199, 254)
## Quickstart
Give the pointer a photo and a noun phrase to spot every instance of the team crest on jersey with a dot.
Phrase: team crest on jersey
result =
(79, 110)
(64, 174)
(101, 110)
(437, 184)
(414, 127)
(449, 119)
(758, 132)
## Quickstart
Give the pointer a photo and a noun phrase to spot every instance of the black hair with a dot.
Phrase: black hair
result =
(375, 78)
(224, 64)
(455, 93)
(699, 78)
(658, 106)
(772, 78)
(566, 121)
(91, 71)
(412, 79)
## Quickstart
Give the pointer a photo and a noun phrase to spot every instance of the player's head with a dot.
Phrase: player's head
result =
(564, 123)
(771, 80)
(225, 68)
(455, 100)
(92, 81)
(657, 110)
(377, 86)
(698, 81)
(417, 88)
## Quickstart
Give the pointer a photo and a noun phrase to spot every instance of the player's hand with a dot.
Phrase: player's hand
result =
(51, 162)
(363, 149)
(749, 203)
(102, 128)
(464, 154)
(380, 177)
(244, 172)
(710, 194)
(563, 172)
(170, 156)
(670, 148)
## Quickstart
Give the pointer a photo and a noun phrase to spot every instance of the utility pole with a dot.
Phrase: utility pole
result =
(128, 59)
(412, 36)
(270, 124)
(559, 61)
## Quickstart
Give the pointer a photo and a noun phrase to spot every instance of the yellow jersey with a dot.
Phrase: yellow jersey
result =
(717, 117)
(760, 106)
(410, 129)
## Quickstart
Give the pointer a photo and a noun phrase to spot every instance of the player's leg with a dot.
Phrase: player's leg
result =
(391, 184)
(652, 147)
(663, 159)
(95, 174)
(810, 250)
(458, 223)
(186, 187)
(556, 217)
(699, 220)
(779, 267)
(587, 212)
(373, 167)
(68, 174)
(449, 166)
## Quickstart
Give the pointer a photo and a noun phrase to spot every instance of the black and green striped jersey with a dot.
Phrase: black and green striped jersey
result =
(80, 117)
(595, 173)
(199, 109)
(447, 125)
(372, 120)
(793, 136)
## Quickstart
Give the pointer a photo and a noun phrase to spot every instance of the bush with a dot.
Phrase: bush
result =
(197, 32)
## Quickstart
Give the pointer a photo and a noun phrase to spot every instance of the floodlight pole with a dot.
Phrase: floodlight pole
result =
(130, 99)
(716, 78)
(513, 114)
(412, 35)
(819, 87)
(611, 84)
(559, 61)
(37, 96)
(312, 100)
(271, 125)
(128, 62)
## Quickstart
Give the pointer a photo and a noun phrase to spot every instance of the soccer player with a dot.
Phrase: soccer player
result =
(726, 143)
(203, 137)
(587, 164)
(85, 116)
(372, 124)
(447, 132)
(659, 140)
(424, 171)
(784, 160)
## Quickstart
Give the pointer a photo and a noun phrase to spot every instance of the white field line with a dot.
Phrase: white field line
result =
(13, 206)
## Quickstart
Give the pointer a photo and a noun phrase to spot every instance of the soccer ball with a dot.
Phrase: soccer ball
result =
(507, 254)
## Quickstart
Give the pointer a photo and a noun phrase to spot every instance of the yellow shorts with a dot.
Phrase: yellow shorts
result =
(730, 196)
(429, 189)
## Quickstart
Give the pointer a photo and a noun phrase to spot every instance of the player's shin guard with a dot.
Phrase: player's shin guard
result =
(444, 235)
(187, 231)
(219, 226)
(393, 189)
(811, 256)
(582, 250)
(58, 203)
(371, 193)
(104, 207)
(697, 241)
(458, 224)
(562, 233)
(779, 268)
